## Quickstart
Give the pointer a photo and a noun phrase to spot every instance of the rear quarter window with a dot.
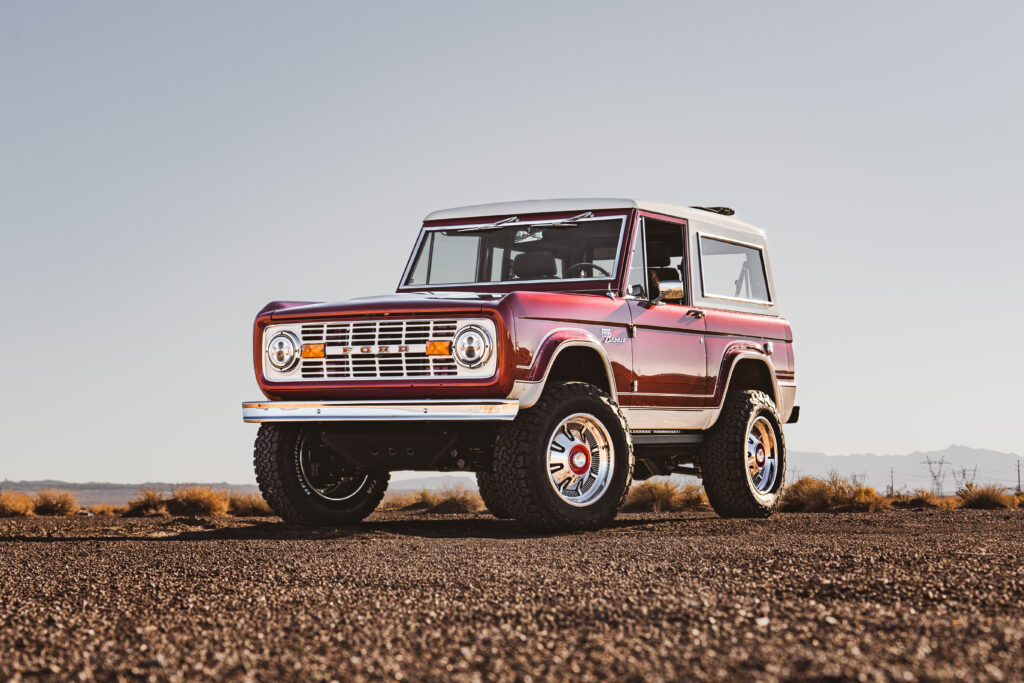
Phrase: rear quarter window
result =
(732, 271)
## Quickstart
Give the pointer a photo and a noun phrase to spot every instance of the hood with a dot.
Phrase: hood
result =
(419, 302)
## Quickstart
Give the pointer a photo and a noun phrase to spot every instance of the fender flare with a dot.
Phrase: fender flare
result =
(735, 353)
(528, 391)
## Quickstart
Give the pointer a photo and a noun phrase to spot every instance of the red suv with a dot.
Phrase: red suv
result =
(559, 349)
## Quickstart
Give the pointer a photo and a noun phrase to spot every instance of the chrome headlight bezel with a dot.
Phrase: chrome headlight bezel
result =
(290, 359)
(472, 346)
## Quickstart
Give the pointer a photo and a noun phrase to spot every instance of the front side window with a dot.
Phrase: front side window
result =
(732, 271)
(657, 257)
(585, 249)
(664, 250)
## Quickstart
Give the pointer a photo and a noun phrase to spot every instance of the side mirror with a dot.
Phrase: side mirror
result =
(669, 290)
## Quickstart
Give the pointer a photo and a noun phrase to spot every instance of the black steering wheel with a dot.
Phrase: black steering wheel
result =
(586, 264)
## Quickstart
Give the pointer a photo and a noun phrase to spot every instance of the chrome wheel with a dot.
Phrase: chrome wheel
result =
(762, 455)
(324, 472)
(581, 459)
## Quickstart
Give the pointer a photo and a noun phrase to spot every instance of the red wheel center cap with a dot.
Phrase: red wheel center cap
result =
(579, 459)
(759, 455)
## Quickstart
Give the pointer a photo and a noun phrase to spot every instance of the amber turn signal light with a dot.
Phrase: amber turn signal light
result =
(312, 350)
(439, 348)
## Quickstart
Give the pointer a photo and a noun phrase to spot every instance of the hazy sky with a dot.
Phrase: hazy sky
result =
(168, 168)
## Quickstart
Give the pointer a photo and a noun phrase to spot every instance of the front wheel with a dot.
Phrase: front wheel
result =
(305, 482)
(743, 460)
(565, 464)
(493, 494)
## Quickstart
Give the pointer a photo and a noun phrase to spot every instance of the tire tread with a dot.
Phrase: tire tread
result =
(722, 460)
(514, 460)
(270, 460)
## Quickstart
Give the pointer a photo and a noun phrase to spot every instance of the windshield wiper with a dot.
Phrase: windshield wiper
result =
(567, 223)
(491, 226)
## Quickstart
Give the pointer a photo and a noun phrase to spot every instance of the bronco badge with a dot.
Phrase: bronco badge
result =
(607, 338)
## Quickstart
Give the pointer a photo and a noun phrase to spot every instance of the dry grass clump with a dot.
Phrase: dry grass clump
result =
(56, 503)
(247, 505)
(16, 504)
(452, 500)
(198, 500)
(395, 501)
(410, 500)
(988, 497)
(147, 503)
(456, 500)
(104, 510)
(921, 499)
(665, 496)
(835, 494)
(692, 497)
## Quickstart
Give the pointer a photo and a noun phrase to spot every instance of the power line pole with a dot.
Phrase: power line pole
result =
(1018, 475)
(892, 483)
(935, 468)
(965, 478)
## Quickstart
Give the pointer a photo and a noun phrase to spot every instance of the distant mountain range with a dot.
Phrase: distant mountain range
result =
(951, 467)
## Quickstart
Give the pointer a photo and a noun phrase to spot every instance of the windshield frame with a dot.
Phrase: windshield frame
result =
(595, 283)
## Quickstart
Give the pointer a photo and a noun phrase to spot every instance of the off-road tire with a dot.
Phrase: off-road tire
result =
(520, 461)
(723, 457)
(282, 486)
(493, 495)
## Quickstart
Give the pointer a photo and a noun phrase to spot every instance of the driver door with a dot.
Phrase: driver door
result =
(669, 351)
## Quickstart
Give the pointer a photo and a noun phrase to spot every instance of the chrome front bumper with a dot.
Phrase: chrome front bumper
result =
(379, 411)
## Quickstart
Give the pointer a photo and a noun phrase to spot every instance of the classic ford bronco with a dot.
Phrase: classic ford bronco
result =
(559, 349)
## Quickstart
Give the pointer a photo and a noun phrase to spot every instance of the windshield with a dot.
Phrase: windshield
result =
(517, 252)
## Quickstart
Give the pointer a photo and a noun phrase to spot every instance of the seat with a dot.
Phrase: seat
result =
(659, 266)
(534, 265)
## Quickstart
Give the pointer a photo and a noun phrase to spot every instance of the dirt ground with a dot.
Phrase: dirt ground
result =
(889, 596)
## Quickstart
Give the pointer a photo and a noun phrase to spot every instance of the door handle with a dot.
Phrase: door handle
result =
(696, 313)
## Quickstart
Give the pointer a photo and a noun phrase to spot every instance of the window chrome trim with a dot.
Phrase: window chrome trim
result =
(542, 222)
(723, 297)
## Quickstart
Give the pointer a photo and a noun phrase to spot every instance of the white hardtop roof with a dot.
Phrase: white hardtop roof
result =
(560, 205)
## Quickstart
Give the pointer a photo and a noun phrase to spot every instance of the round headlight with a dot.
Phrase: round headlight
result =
(471, 346)
(283, 351)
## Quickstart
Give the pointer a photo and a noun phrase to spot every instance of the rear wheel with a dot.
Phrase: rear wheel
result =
(306, 482)
(743, 460)
(566, 463)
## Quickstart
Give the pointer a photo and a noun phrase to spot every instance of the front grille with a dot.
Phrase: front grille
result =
(378, 349)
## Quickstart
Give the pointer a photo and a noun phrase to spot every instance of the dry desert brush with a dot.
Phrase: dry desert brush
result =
(834, 494)
(665, 496)
(15, 504)
(198, 500)
(453, 500)
(56, 503)
(104, 510)
(921, 499)
(410, 500)
(147, 503)
(987, 497)
(247, 505)
(456, 500)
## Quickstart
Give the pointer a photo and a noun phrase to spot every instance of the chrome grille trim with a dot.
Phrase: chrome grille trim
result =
(378, 349)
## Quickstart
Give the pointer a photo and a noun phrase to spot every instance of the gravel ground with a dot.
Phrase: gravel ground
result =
(889, 596)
